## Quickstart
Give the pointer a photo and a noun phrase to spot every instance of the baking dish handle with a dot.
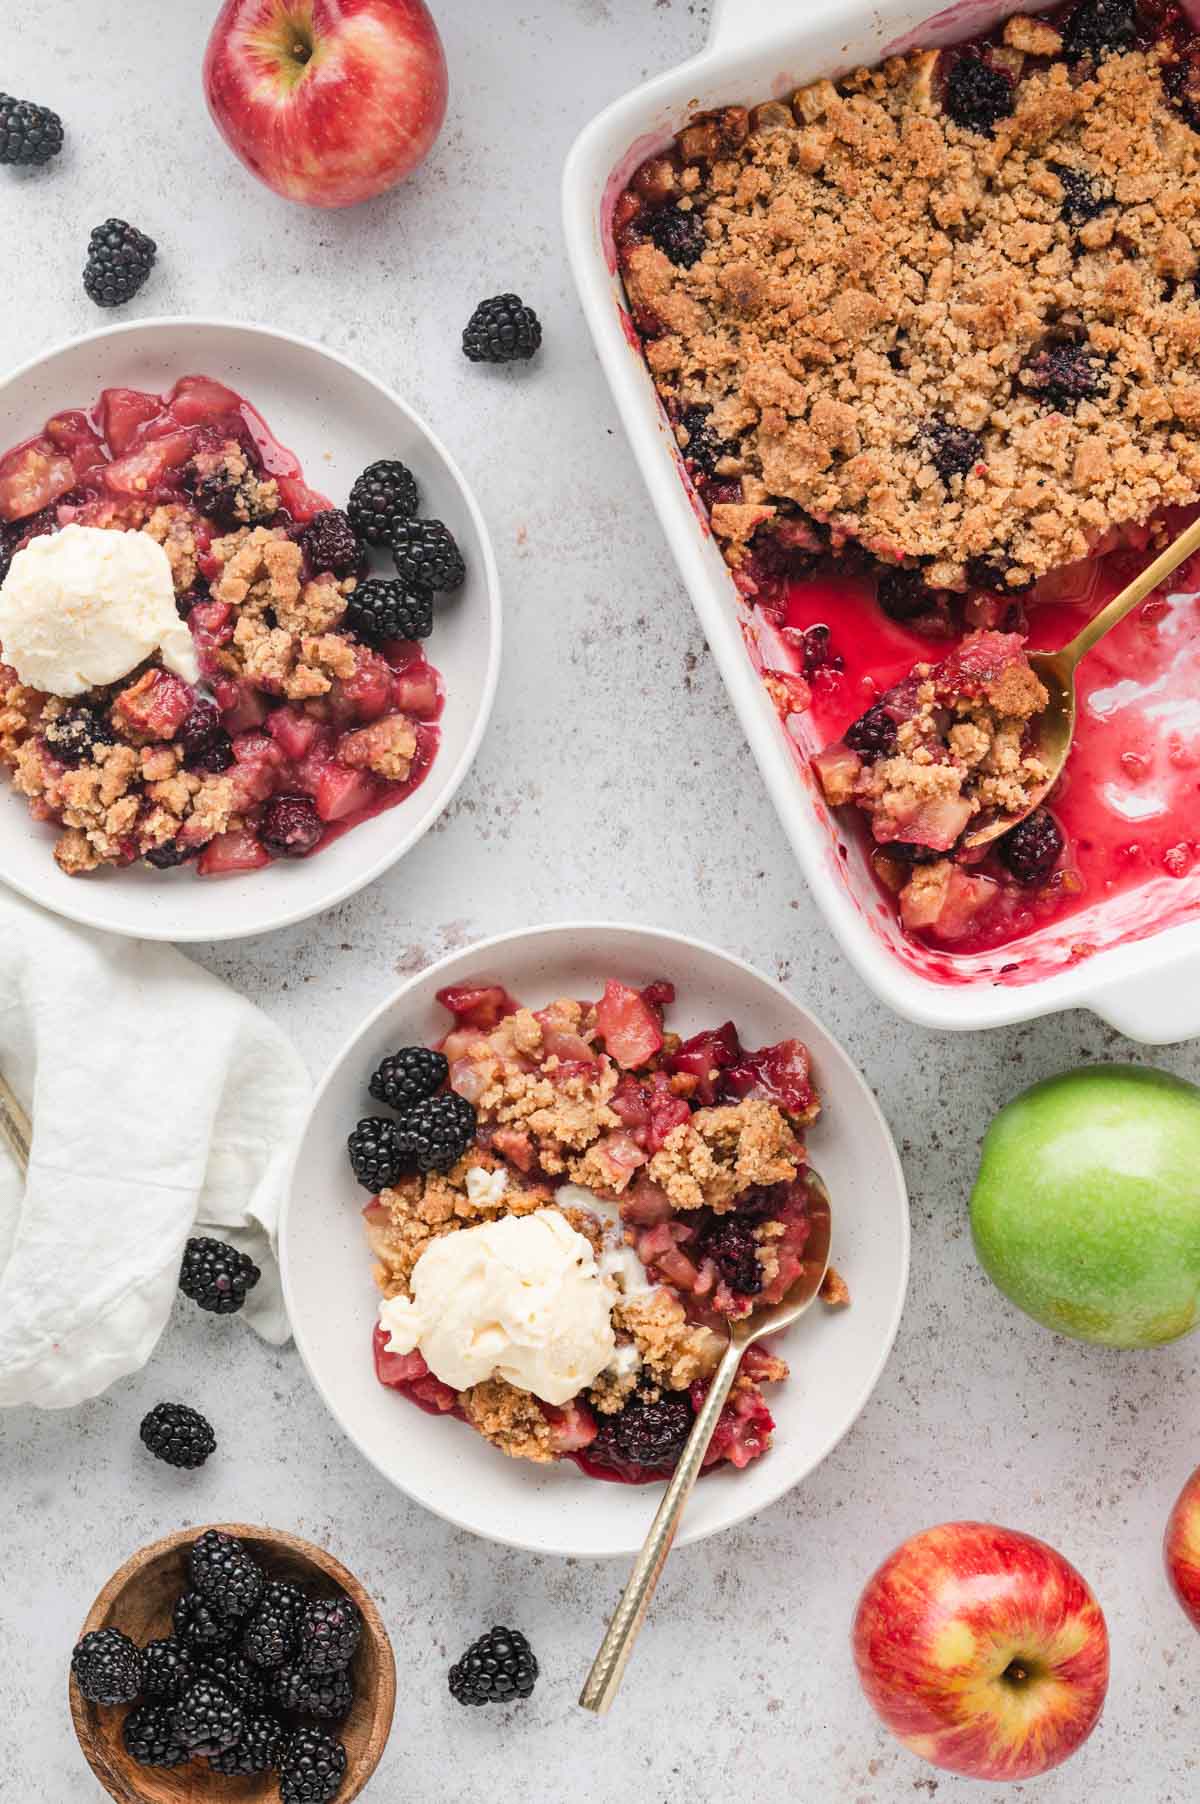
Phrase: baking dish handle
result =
(1158, 1008)
(736, 23)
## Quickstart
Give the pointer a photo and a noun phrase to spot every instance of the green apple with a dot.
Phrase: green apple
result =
(1086, 1210)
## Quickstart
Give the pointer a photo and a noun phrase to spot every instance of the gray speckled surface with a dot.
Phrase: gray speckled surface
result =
(614, 782)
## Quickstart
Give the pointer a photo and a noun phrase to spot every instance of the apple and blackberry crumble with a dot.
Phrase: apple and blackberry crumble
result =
(567, 1205)
(195, 663)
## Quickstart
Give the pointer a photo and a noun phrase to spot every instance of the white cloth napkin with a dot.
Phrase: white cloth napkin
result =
(163, 1105)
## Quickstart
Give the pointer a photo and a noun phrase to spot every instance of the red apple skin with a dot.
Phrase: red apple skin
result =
(1181, 1548)
(327, 101)
(983, 1650)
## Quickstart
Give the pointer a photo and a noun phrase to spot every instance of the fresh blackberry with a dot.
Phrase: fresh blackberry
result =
(216, 1276)
(324, 1695)
(107, 1667)
(409, 1076)
(376, 1155)
(119, 260)
(380, 610)
(225, 1574)
(703, 448)
(234, 1674)
(270, 1633)
(502, 330)
(1083, 196)
(167, 1668)
(170, 854)
(151, 1738)
(646, 1434)
(28, 133)
(497, 1668)
(427, 556)
(437, 1131)
(1032, 848)
(952, 449)
(1099, 28)
(902, 594)
(730, 1243)
(329, 1632)
(202, 741)
(75, 734)
(384, 494)
(207, 1719)
(259, 1750)
(201, 1628)
(313, 1768)
(178, 1435)
(1066, 374)
(977, 95)
(290, 826)
(331, 543)
(872, 735)
(679, 236)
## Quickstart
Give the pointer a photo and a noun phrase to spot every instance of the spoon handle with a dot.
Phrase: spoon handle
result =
(16, 1130)
(1134, 592)
(608, 1668)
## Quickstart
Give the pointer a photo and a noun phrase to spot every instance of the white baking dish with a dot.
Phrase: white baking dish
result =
(1149, 988)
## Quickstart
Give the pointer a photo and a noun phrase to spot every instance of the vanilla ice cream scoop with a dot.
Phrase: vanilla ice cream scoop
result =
(521, 1298)
(83, 607)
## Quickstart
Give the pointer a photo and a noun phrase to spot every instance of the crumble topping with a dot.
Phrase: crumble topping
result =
(171, 527)
(677, 1352)
(711, 1160)
(510, 1419)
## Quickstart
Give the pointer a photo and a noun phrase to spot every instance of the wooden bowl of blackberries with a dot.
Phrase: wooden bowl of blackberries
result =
(233, 1663)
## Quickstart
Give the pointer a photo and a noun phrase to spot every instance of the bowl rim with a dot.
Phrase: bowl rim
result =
(384, 1704)
(287, 916)
(686, 943)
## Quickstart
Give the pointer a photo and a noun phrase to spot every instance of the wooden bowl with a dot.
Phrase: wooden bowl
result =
(139, 1598)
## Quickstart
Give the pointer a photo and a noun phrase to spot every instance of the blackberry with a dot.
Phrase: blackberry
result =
(259, 1750)
(331, 543)
(202, 741)
(497, 1668)
(177, 1434)
(167, 1667)
(119, 260)
(1066, 374)
(234, 1674)
(1083, 197)
(409, 1076)
(502, 330)
(646, 1434)
(1098, 28)
(75, 734)
(872, 735)
(151, 1738)
(324, 1695)
(731, 1245)
(207, 1719)
(107, 1667)
(902, 594)
(270, 1634)
(376, 1156)
(201, 1628)
(216, 1276)
(427, 556)
(290, 826)
(224, 1574)
(383, 495)
(170, 854)
(703, 449)
(952, 449)
(679, 236)
(329, 1631)
(28, 133)
(437, 1131)
(380, 610)
(977, 95)
(1032, 848)
(313, 1768)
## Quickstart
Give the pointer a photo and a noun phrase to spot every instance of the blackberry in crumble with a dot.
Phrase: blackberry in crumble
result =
(169, 855)
(291, 826)
(730, 1244)
(382, 496)
(977, 95)
(377, 1156)
(902, 594)
(646, 1434)
(379, 610)
(409, 1076)
(28, 133)
(427, 556)
(497, 1668)
(1084, 197)
(76, 732)
(437, 1132)
(952, 449)
(331, 543)
(502, 330)
(993, 571)
(703, 448)
(1033, 848)
(119, 262)
(1066, 374)
(679, 236)
(1098, 28)
(202, 741)
(873, 735)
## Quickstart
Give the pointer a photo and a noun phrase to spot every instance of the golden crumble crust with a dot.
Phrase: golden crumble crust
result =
(510, 1419)
(675, 1351)
(711, 1160)
(386, 747)
(171, 527)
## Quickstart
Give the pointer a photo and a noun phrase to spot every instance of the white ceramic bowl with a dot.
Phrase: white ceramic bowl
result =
(1141, 977)
(836, 1356)
(336, 419)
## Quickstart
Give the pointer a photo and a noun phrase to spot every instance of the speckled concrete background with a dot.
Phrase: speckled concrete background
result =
(614, 782)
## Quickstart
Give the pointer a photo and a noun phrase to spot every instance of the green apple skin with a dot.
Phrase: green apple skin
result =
(1086, 1210)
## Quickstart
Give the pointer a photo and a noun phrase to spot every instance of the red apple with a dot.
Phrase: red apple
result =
(1181, 1548)
(983, 1650)
(327, 101)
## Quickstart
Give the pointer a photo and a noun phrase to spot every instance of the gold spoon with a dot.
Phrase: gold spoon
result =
(608, 1668)
(1056, 669)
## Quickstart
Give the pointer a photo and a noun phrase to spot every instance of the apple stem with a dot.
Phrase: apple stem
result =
(301, 51)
